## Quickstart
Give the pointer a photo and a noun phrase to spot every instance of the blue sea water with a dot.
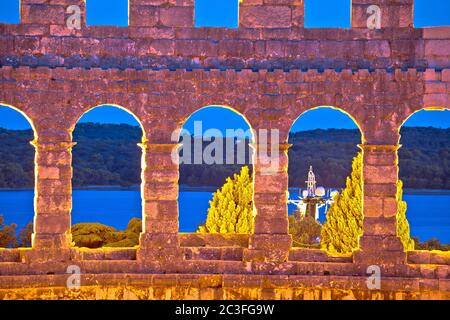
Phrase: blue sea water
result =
(428, 214)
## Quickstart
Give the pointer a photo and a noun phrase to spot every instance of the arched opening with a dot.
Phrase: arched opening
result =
(325, 176)
(107, 205)
(424, 168)
(16, 178)
(216, 188)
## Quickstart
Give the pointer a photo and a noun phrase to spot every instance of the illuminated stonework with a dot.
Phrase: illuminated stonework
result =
(162, 69)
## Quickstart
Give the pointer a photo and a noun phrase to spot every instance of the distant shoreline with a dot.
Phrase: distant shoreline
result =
(213, 189)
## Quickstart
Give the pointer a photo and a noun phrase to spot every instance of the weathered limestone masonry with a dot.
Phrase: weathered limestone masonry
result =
(271, 70)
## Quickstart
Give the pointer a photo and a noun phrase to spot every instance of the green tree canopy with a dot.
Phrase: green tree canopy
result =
(344, 224)
(231, 209)
(305, 231)
(8, 238)
(96, 235)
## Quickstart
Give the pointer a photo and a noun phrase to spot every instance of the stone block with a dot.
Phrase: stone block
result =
(390, 207)
(419, 257)
(159, 240)
(270, 241)
(373, 207)
(53, 204)
(161, 191)
(380, 174)
(48, 173)
(213, 240)
(266, 201)
(177, 16)
(265, 17)
(168, 259)
(42, 14)
(143, 16)
(397, 14)
(374, 158)
(52, 223)
(380, 226)
(160, 225)
(380, 190)
(256, 255)
(45, 255)
(9, 255)
(163, 209)
(271, 225)
(273, 183)
(380, 243)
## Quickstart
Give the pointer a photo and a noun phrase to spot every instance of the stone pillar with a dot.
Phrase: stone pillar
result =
(53, 200)
(271, 14)
(392, 13)
(271, 240)
(159, 237)
(379, 243)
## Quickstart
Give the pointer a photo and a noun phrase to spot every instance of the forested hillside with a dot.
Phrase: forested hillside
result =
(108, 154)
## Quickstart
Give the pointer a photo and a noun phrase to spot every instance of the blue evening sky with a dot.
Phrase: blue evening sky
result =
(224, 13)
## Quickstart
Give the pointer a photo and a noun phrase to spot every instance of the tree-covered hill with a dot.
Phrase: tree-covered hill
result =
(108, 154)
(424, 158)
(16, 158)
(330, 152)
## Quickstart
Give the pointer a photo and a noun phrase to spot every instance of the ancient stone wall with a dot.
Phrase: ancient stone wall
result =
(270, 70)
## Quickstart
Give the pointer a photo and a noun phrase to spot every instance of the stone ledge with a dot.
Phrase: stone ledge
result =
(103, 254)
(428, 257)
(10, 255)
(170, 286)
(207, 263)
(191, 63)
(307, 74)
(213, 240)
(316, 255)
(209, 253)
(37, 72)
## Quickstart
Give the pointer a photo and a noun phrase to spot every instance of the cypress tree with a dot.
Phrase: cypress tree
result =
(231, 209)
(403, 231)
(344, 224)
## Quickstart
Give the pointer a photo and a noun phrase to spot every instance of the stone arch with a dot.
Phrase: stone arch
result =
(141, 144)
(236, 110)
(78, 116)
(32, 142)
(297, 113)
(407, 116)
(249, 131)
(413, 205)
(24, 114)
(329, 179)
